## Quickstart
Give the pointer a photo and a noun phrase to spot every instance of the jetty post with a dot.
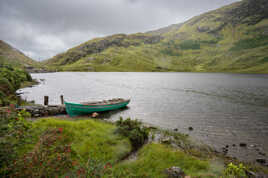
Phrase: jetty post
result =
(46, 100)
(61, 99)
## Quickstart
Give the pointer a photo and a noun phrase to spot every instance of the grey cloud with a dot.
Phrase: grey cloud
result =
(43, 28)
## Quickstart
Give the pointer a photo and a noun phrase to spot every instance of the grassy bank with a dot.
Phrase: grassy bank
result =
(11, 79)
(53, 147)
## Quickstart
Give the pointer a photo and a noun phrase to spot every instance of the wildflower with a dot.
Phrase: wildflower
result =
(60, 130)
(108, 165)
(12, 106)
(8, 111)
(68, 149)
(78, 172)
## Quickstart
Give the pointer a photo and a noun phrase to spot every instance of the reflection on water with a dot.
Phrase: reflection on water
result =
(223, 109)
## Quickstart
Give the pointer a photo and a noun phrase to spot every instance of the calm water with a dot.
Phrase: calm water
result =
(223, 109)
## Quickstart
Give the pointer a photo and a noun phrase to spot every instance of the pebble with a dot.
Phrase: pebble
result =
(261, 160)
(261, 153)
(252, 145)
(175, 172)
(243, 144)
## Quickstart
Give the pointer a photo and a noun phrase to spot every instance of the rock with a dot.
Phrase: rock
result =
(152, 127)
(36, 115)
(261, 160)
(190, 128)
(37, 111)
(174, 172)
(203, 29)
(257, 149)
(251, 174)
(225, 150)
(166, 141)
(94, 115)
(242, 144)
(261, 153)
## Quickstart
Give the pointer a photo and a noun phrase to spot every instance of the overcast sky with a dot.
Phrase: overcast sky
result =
(44, 28)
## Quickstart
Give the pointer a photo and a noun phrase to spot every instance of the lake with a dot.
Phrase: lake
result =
(223, 109)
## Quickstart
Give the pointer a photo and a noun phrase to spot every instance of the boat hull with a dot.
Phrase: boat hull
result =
(74, 109)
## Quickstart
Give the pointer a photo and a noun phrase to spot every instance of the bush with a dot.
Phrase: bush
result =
(11, 79)
(234, 171)
(190, 44)
(49, 157)
(250, 43)
(14, 134)
(133, 130)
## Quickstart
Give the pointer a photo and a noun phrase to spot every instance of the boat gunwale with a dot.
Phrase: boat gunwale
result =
(97, 106)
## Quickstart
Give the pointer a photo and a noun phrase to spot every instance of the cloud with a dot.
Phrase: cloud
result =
(41, 29)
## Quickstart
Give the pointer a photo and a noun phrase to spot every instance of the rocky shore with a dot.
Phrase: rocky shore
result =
(41, 110)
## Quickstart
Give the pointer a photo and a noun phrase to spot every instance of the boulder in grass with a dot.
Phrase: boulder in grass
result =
(174, 172)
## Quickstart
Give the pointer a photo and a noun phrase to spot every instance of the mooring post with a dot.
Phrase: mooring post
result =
(45, 100)
(18, 100)
(61, 99)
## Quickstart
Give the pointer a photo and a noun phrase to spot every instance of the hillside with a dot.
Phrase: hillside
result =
(12, 56)
(233, 38)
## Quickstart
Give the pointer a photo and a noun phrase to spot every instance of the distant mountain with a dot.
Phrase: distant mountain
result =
(12, 56)
(233, 38)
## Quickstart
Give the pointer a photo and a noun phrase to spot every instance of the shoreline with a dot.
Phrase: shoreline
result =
(223, 152)
(173, 139)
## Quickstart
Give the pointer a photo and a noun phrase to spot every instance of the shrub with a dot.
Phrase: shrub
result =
(234, 171)
(190, 44)
(133, 130)
(14, 134)
(250, 43)
(49, 157)
(11, 80)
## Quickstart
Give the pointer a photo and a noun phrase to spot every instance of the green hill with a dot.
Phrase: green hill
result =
(13, 57)
(233, 38)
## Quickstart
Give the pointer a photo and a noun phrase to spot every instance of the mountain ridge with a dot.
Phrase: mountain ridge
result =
(12, 56)
(233, 38)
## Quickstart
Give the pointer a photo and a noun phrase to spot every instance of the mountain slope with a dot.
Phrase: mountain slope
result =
(233, 38)
(12, 56)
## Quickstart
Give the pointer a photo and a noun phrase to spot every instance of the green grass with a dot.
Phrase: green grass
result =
(97, 140)
(154, 158)
(92, 139)
(89, 138)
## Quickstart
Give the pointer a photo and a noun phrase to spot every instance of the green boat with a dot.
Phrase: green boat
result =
(76, 109)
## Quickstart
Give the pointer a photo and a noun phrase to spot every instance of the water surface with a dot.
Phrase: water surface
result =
(223, 109)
